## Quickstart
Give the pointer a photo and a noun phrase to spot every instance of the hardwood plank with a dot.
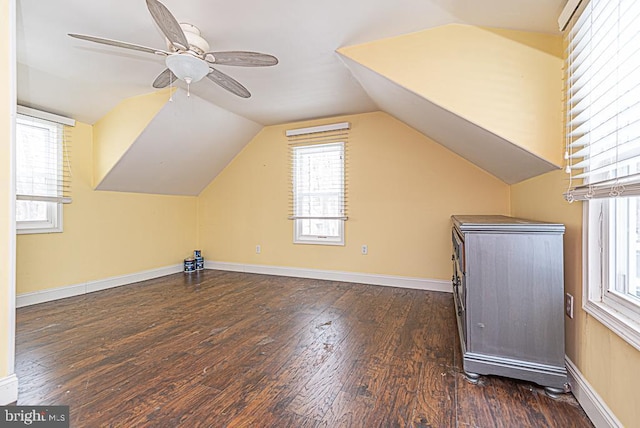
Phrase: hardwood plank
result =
(562, 412)
(514, 405)
(474, 403)
(395, 404)
(435, 397)
(347, 410)
(234, 349)
(317, 395)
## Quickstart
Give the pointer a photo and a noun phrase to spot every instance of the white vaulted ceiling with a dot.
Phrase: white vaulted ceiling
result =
(84, 81)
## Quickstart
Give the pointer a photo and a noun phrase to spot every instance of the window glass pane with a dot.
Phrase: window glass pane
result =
(624, 250)
(632, 251)
(31, 210)
(635, 249)
(320, 227)
(318, 187)
(319, 180)
(37, 158)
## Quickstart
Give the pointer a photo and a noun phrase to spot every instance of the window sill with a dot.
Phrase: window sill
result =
(623, 326)
(36, 231)
(318, 242)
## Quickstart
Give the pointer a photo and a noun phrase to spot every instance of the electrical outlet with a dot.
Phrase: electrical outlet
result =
(365, 250)
(258, 249)
(568, 305)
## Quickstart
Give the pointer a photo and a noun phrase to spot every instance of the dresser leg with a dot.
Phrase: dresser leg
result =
(553, 392)
(472, 377)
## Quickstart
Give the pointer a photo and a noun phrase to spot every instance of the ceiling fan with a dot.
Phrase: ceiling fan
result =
(187, 56)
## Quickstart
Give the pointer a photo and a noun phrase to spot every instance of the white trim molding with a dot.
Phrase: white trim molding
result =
(618, 323)
(600, 414)
(331, 275)
(28, 299)
(315, 129)
(27, 111)
(8, 390)
(567, 12)
(11, 382)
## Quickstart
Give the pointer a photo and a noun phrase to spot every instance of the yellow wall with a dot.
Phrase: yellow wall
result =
(7, 98)
(508, 82)
(105, 233)
(114, 133)
(608, 363)
(402, 189)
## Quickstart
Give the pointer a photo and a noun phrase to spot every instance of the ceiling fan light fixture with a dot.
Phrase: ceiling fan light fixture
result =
(187, 67)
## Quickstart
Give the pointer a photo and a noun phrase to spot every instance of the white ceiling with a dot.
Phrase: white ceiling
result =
(84, 81)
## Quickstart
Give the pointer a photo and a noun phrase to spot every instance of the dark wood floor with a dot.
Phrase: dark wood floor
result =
(230, 349)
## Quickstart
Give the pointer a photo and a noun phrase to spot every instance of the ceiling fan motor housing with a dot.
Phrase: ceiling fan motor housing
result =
(197, 43)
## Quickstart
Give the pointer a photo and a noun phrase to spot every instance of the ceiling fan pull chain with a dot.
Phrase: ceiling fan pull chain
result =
(170, 87)
(188, 82)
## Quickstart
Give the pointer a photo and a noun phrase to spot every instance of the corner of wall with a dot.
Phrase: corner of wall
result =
(8, 382)
(114, 133)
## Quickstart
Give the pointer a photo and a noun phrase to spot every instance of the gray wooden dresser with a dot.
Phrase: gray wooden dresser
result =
(509, 298)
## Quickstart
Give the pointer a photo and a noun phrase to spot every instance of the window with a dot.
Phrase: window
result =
(318, 188)
(612, 282)
(318, 184)
(623, 250)
(603, 153)
(41, 174)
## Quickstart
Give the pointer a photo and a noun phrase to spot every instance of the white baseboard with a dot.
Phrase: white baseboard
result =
(600, 414)
(331, 275)
(8, 390)
(36, 297)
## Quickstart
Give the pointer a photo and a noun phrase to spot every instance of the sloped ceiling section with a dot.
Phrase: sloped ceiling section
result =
(491, 96)
(114, 134)
(182, 149)
(507, 161)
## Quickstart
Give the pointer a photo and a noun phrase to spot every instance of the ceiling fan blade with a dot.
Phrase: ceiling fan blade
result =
(164, 79)
(168, 24)
(119, 44)
(243, 59)
(228, 83)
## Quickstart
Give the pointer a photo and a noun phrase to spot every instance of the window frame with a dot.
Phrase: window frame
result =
(602, 114)
(619, 314)
(298, 235)
(53, 223)
(54, 220)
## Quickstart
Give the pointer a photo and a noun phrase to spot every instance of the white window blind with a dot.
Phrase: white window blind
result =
(318, 178)
(603, 100)
(318, 185)
(43, 170)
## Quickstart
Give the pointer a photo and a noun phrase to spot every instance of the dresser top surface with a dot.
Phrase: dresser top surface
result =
(500, 223)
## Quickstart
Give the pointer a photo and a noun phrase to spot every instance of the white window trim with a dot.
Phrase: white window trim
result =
(606, 310)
